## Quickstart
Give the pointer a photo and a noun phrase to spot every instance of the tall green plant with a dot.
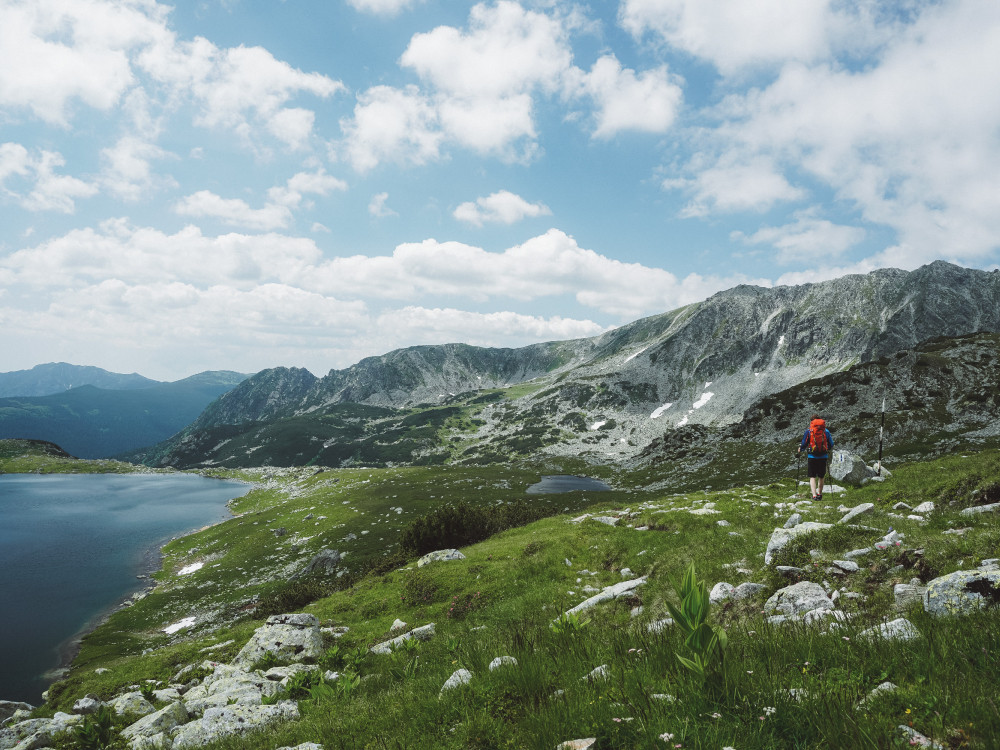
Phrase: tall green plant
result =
(706, 643)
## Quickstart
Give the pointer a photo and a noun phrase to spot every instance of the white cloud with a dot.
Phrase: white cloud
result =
(377, 206)
(502, 207)
(315, 183)
(382, 7)
(646, 102)
(127, 170)
(806, 240)
(50, 191)
(391, 125)
(233, 211)
(879, 138)
(738, 35)
(730, 185)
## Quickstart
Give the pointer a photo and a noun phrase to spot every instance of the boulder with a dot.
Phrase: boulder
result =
(131, 704)
(856, 511)
(163, 720)
(501, 661)
(849, 468)
(907, 594)
(977, 509)
(324, 563)
(926, 507)
(291, 637)
(720, 592)
(7, 709)
(588, 743)
(896, 630)
(798, 599)
(793, 520)
(441, 555)
(458, 678)
(88, 704)
(228, 720)
(386, 647)
(611, 592)
(746, 590)
(962, 592)
(781, 537)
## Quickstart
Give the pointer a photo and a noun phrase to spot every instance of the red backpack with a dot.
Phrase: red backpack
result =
(817, 437)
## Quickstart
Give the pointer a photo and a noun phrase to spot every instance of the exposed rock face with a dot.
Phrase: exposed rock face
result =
(291, 637)
(163, 720)
(962, 592)
(325, 563)
(228, 720)
(441, 555)
(7, 709)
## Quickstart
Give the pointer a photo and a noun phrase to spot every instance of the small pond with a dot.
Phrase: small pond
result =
(553, 484)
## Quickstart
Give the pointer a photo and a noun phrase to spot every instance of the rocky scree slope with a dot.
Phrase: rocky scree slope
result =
(703, 364)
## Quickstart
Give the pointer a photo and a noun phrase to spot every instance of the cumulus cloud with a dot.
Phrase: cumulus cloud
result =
(392, 124)
(648, 101)
(806, 239)
(128, 171)
(502, 207)
(38, 186)
(233, 211)
(877, 138)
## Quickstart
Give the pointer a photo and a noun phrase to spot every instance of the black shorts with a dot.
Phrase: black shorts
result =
(817, 467)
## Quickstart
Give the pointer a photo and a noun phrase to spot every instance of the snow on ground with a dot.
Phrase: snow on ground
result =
(190, 568)
(187, 622)
(705, 398)
(658, 411)
(630, 357)
(781, 340)
(682, 422)
(598, 425)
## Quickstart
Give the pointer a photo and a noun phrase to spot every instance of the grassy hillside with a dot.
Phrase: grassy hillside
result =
(791, 686)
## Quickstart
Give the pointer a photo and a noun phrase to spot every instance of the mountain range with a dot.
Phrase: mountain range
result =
(699, 373)
(88, 421)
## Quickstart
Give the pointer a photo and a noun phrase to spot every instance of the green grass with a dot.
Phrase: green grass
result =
(503, 597)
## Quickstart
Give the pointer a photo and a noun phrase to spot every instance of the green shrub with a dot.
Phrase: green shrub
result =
(461, 524)
(418, 588)
(97, 731)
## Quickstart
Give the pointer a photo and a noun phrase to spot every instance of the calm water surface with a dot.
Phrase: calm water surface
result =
(552, 484)
(70, 549)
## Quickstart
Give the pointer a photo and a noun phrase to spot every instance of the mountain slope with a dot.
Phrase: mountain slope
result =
(56, 377)
(92, 422)
(613, 394)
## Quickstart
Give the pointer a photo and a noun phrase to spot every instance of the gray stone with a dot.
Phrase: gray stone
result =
(458, 678)
(303, 746)
(326, 562)
(397, 625)
(789, 571)
(88, 704)
(228, 720)
(163, 720)
(131, 704)
(926, 507)
(422, 633)
(7, 709)
(907, 594)
(849, 468)
(781, 537)
(962, 592)
(793, 520)
(606, 594)
(441, 555)
(746, 590)
(915, 739)
(857, 511)
(848, 566)
(501, 661)
(858, 553)
(881, 689)
(900, 629)
(720, 592)
(797, 599)
(588, 743)
(607, 520)
(291, 637)
(977, 509)
(597, 673)
(658, 626)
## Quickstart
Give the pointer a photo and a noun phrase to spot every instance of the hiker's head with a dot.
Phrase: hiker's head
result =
(815, 416)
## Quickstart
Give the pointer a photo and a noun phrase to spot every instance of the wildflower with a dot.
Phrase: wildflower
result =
(667, 736)
(907, 710)
(771, 709)
(749, 671)
(845, 637)
(616, 719)
(716, 715)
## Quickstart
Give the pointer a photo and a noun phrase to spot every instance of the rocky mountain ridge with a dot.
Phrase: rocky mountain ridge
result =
(704, 364)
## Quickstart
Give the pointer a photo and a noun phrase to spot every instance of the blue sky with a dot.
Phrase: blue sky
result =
(241, 184)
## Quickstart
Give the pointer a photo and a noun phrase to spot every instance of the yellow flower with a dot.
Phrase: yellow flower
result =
(907, 710)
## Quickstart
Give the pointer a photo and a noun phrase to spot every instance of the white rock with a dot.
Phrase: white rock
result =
(848, 566)
(422, 633)
(606, 594)
(781, 537)
(397, 625)
(163, 720)
(793, 520)
(962, 592)
(597, 673)
(720, 592)
(906, 594)
(441, 555)
(223, 721)
(291, 637)
(900, 629)
(501, 661)
(458, 678)
(746, 590)
(585, 744)
(977, 509)
(926, 507)
(857, 511)
(797, 599)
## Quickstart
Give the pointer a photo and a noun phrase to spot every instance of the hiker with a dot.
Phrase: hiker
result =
(819, 442)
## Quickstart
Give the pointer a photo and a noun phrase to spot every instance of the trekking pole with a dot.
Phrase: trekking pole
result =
(881, 433)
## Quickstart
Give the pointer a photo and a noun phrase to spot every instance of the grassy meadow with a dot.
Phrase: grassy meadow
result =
(776, 686)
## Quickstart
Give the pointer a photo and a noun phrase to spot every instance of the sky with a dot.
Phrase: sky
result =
(244, 184)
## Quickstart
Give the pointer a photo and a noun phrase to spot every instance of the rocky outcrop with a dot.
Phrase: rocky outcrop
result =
(325, 563)
(229, 720)
(962, 592)
(781, 537)
(288, 637)
(441, 555)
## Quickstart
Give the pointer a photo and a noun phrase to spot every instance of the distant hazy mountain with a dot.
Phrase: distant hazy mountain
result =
(610, 396)
(56, 377)
(91, 422)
